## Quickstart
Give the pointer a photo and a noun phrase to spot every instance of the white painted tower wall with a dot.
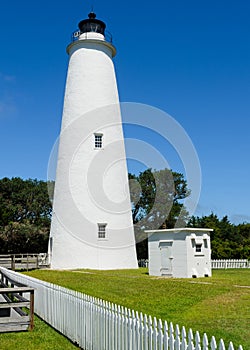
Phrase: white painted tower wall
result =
(91, 184)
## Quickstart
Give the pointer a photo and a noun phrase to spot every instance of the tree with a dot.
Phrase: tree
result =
(228, 241)
(25, 213)
(155, 197)
(23, 238)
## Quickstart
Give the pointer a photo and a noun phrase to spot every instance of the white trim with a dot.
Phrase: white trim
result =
(176, 230)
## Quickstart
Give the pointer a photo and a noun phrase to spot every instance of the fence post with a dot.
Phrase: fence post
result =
(31, 310)
(12, 262)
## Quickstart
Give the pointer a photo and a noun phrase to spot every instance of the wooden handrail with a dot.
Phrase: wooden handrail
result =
(16, 289)
(16, 301)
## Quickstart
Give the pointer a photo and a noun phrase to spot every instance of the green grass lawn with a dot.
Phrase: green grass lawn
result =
(43, 337)
(219, 305)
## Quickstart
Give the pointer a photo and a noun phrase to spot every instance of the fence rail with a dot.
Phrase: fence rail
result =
(23, 261)
(36, 261)
(95, 324)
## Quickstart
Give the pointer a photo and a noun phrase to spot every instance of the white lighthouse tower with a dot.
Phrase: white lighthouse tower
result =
(91, 221)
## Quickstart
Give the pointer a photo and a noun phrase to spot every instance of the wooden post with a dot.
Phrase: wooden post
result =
(13, 262)
(31, 310)
(27, 262)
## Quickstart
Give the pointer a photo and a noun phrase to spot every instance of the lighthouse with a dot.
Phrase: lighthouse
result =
(91, 220)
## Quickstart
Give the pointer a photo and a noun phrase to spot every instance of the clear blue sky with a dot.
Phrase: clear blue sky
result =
(188, 58)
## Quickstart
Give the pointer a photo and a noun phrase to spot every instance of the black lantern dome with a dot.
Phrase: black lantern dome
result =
(92, 24)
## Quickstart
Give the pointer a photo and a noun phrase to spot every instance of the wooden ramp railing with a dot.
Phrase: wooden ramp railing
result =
(24, 261)
(16, 309)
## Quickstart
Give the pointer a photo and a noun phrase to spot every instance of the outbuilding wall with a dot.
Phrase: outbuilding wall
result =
(183, 253)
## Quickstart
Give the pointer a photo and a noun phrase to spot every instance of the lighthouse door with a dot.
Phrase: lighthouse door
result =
(166, 258)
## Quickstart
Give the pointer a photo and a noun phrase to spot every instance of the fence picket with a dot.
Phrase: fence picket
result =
(222, 345)
(146, 332)
(130, 333)
(150, 338)
(124, 333)
(171, 342)
(141, 331)
(213, 343)
(165, 340)
(138, 333)
(197, 341)
(160, 340)
(190, 340)
(183, 333)
(171, 329)
(155, 335)
(190, 346)
(165, 327)
(184, 344)
(177, 343)
(133, 335)
(177, 331)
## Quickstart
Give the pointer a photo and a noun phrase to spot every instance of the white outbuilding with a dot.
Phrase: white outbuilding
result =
(180, 252)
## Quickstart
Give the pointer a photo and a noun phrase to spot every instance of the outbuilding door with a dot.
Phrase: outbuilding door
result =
(166, 258)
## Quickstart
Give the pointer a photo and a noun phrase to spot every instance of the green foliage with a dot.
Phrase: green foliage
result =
(156, 203)
(228, 241)
(216, 305)
(23, 238)
(25, 211)
(25, 214)
(154, 194)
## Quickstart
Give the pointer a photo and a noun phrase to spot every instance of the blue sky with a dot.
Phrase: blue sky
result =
(190, 59)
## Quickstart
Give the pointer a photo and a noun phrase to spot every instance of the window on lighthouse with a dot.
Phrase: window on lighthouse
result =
(102, 230)
(98, 140)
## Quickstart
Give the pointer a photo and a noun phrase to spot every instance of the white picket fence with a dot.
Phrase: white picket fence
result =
(215, 264)
(95, 324)
(231, 264)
